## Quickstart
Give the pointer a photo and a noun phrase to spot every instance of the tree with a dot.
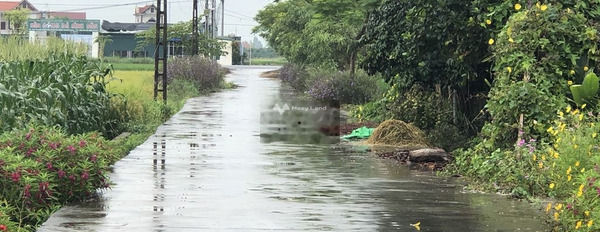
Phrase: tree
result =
(183, 30)
(430, 42)
(256, 43)
(102, 40)
(322, 33)
(17, 19)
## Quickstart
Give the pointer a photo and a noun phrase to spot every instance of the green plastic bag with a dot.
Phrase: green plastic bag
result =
(360, 133)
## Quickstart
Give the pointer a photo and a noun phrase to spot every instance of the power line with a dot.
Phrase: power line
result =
(114, 5)
(233, 12)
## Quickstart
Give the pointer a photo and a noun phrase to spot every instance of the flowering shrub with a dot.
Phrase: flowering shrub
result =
(294, 75)
(572, 164)
(205, 73)
(335, 86)
(5, 223)
(42, 168)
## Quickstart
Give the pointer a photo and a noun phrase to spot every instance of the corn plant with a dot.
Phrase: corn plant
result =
(64, 90)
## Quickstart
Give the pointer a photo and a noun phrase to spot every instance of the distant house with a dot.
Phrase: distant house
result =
(145, 14)
(123, 40)
(5, 27)
(64, 15)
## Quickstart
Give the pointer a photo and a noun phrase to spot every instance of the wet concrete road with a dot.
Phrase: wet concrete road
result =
(207, 169)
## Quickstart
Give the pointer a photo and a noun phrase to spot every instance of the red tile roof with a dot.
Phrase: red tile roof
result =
(6, 5)
(11, 5)
(68, 15)
(139, 10)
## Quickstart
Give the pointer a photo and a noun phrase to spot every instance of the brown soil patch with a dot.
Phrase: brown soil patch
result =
(402, 157)
(270, 74)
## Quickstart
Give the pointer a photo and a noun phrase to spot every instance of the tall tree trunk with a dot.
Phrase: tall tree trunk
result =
(357, 45)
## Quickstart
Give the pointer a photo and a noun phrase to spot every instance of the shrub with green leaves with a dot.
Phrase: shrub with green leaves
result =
(537, 53)
(42, 168)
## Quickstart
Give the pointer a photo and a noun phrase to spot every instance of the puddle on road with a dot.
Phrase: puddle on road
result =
(208, 169)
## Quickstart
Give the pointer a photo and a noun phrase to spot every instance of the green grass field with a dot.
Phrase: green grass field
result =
(133, 67)
(269, 61)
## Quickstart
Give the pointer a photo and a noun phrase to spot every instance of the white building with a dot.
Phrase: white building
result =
(145, 14)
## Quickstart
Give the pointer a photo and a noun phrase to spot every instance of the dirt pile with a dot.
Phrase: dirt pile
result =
(398, 133)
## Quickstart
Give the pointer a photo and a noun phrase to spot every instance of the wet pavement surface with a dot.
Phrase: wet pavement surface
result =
(208, 169)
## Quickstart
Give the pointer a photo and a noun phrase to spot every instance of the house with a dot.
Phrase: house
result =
(145, 14)
(5, 27)
(64, 15)
(123, 41)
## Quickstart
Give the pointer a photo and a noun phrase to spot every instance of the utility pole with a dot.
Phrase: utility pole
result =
(206, 20)
(195, 28)
(213, 18)
(161, 53)
(222, 17)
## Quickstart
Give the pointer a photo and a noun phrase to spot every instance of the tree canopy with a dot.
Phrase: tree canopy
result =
(317, 32)
(183, 30)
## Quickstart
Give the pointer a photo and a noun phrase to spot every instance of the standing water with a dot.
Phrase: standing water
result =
(208, 169)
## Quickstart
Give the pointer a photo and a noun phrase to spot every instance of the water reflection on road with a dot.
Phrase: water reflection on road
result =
(207, 169)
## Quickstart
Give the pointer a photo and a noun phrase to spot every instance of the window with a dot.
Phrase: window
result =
(2, 25)
(151, 9)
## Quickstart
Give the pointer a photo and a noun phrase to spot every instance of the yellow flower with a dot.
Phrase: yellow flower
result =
(583, 106)
(556, 155)
(511, 40)
(537, 4)
(534, 157)
(590, 222)
(580, 117)
(569, 178)
(561, 113)
(572, 72)
(491, 41)
(587, 213)
(576, 111)
(585, 68)
(576, 164)
(540, 165)
(544, 7)
(517, 6)
(570, 82)
(544, 157)
(575, 146)
(550, 129)
(558, 207)
(509, 69)
(551, 185)
(416, 225)
(556, 216)
(488, 22)
(578, 225)
(569, 170)
(548, 207)
(583, 170)
(568, 109)
(594, 135)
(568, 10)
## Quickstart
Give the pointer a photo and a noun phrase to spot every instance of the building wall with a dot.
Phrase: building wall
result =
(124, 45)
(226, 59)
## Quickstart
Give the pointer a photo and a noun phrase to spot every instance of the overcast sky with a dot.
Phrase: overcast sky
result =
(238, 13)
